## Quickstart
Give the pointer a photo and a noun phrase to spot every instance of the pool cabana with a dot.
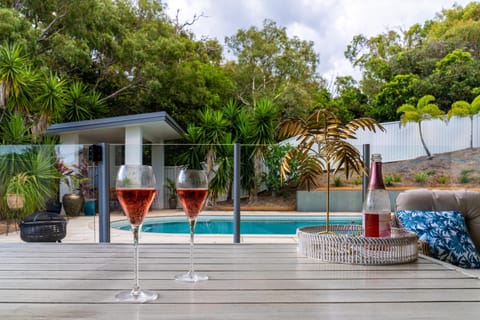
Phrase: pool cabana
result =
(130, 132)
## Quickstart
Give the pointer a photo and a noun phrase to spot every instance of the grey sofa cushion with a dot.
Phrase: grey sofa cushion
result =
(465, 201)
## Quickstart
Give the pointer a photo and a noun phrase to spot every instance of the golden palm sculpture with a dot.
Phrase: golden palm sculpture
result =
(323, 147)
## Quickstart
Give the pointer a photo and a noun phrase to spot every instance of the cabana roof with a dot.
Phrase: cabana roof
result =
(155, 126)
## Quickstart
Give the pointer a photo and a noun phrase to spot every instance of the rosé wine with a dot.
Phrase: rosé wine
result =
(192, 200)
(376, 225)
(136, 202)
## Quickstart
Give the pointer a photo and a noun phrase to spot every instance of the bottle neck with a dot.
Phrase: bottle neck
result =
(376, 178)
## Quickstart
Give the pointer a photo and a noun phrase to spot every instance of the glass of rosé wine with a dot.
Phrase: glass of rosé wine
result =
(192, 190)
(136, 189)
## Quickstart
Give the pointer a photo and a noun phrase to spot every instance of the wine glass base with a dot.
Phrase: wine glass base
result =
(140, 296)
(191, 277)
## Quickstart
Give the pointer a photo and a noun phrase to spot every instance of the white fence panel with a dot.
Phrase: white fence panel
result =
(403, 142)
(171, 173)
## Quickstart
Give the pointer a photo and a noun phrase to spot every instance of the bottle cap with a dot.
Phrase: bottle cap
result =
(377, 157)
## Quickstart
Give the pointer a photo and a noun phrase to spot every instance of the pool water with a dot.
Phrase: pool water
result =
(249, 224)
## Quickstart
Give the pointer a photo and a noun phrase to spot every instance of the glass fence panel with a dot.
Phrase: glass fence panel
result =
(270, 175)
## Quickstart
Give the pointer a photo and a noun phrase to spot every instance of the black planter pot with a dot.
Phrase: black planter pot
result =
(53, 205)
(72, 204)
(172, 203)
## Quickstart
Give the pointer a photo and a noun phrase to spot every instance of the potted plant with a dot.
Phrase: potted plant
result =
(87, 189)
(172, 194)
(18, 188)
(73, 200)
(26, 179)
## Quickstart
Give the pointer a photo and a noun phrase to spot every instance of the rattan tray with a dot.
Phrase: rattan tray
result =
(345, 244)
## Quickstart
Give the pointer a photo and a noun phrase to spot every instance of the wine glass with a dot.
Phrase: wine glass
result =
(192, 190)
(135, 186)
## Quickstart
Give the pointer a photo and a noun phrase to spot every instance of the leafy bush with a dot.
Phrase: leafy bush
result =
(421, 177)
(465, 175)
(388, 180)
(442, 179)
(464, 179)
(338, 182)
(273, 159)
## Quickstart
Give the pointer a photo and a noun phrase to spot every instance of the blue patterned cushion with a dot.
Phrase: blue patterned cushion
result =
(446, 234)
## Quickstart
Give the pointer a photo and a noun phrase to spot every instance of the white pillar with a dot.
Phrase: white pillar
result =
(158, 164)
(133, 145)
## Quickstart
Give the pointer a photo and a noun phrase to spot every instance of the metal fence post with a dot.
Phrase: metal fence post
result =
(366, 163)
(104, 195)
(236, 193)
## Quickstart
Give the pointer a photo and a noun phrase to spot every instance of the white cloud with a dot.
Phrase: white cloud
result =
(330, 24)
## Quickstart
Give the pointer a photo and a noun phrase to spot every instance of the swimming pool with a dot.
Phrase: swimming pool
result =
(224, 224)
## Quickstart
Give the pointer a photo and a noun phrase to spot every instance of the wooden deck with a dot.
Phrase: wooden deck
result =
(248, 281)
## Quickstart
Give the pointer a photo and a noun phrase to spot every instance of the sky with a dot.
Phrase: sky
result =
(330, 24)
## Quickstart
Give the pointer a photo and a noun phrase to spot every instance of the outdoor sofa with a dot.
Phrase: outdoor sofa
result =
(446, 221)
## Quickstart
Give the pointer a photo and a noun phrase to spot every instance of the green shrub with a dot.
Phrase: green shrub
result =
(465, 175)
(464, 179)
(338, 182)
(388, 180)
(421, 177)
(442, 179)
(466, 172)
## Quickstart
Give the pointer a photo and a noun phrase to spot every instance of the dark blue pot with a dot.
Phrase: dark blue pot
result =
(90, 208)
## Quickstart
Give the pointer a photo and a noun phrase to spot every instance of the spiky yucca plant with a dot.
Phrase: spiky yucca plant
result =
(323, 147)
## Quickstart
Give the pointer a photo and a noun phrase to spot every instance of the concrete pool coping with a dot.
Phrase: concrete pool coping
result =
(84, 229)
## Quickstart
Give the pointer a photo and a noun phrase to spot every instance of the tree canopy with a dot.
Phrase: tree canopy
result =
(439, 57)
(106, 58)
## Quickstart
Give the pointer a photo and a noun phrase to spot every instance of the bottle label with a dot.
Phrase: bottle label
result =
(376, 225)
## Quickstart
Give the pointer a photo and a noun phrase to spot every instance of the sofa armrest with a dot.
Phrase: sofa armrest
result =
(423, 248)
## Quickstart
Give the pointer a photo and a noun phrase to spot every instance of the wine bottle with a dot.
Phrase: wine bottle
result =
(376, 207)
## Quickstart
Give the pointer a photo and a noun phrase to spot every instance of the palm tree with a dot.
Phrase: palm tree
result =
(464, 109)
(50, 102)
(213, 130)
(264, 123)
(208, 145)
(24, 91)
(241, 126)
(14, 130)
(17, 81)
(323, 146)
(80, 104)
(424, 110)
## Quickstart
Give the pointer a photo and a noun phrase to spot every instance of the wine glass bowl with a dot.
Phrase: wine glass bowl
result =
(136, 189)
(192, 191)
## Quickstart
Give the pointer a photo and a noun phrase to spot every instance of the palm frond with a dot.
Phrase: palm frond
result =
(323, 146)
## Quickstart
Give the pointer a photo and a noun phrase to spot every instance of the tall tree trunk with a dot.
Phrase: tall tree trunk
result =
(423, 141)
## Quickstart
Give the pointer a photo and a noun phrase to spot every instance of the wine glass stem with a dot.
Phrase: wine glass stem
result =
(192, 236)
(135, 230)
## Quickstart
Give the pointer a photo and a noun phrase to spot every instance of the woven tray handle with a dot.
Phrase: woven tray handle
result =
(50, 215)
